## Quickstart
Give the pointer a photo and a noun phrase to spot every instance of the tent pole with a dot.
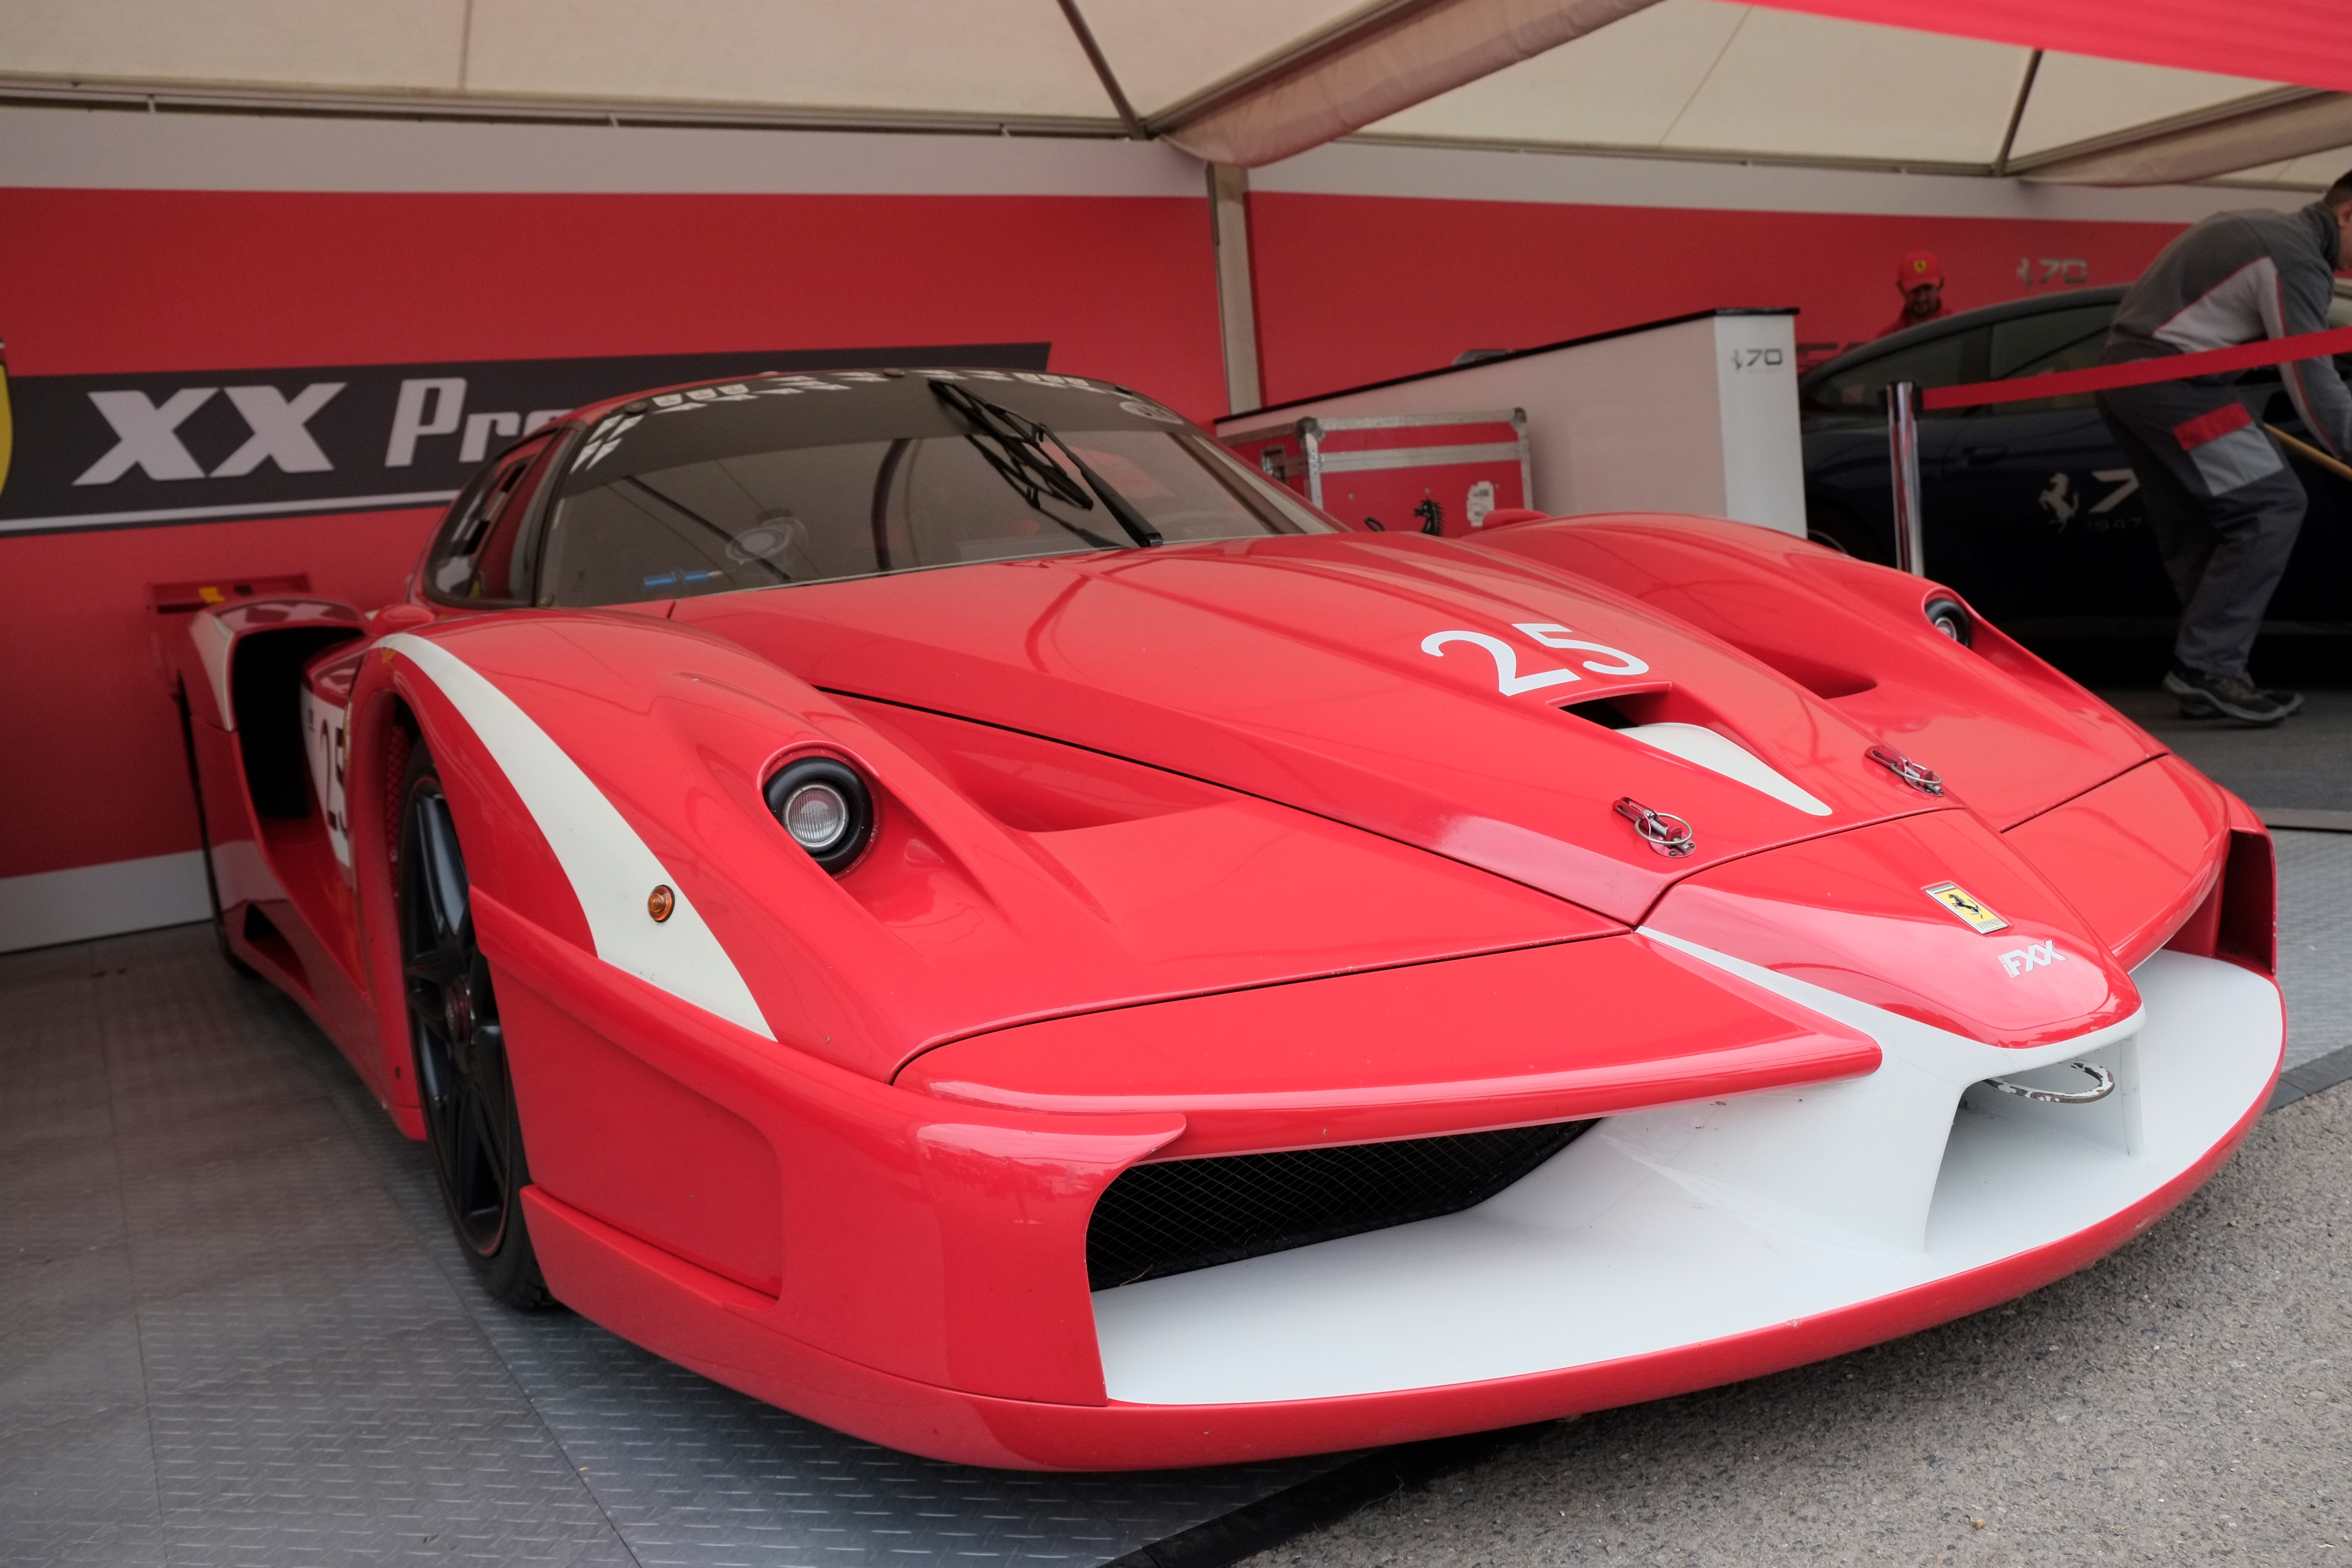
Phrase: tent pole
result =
(2017, 114)
(1902, 452)
(1236, 302)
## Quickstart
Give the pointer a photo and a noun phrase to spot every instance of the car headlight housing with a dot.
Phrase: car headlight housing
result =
(1951, 617)
(825, 805)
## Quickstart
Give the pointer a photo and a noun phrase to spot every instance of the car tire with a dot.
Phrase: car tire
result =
(473, 1129)
(1834, 530)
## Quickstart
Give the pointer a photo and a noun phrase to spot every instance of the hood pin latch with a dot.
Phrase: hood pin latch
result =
(1669, 836)
(1925, 780)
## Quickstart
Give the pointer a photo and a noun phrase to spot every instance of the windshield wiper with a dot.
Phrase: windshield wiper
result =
(1015, 447)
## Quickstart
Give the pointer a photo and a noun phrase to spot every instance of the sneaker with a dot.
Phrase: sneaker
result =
(2200, 706)
(2207, 696)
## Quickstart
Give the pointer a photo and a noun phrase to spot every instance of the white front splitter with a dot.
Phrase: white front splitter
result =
(1669, 1228)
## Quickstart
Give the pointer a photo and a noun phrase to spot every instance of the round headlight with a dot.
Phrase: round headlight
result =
(817, 816)
(826, 807)
(1950, 618)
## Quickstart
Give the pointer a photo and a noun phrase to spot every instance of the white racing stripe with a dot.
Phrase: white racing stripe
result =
(1719, 753)
(611, 868)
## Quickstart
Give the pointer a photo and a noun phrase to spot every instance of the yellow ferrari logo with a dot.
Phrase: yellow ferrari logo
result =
(1957, 899)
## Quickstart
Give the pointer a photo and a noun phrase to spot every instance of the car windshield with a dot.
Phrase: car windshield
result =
(808, 479)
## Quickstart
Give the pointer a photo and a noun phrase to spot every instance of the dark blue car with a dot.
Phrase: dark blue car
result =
(2030, 509)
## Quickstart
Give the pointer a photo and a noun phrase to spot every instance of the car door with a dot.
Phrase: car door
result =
(1848, 488)
(2036, 511)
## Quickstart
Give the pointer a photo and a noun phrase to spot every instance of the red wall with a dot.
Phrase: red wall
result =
(98, 281)
(1356, 289)
(1350, 289)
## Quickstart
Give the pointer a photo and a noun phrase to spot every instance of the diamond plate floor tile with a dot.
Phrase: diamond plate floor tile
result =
(303, 1385)
(69, 1332)
(235, 1330)
(2314, 942)
(692, 1473)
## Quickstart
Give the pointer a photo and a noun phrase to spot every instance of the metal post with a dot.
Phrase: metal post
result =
(1903, 456)
(1236, 307)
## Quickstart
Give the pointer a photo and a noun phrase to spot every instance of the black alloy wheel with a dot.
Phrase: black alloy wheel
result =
(471, 1127)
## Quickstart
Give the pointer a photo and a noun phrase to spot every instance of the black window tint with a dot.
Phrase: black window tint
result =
(2052, 340)
(2042, 344)
(1188, 489)
(807, 514)
(1939, 362)
(475, 559)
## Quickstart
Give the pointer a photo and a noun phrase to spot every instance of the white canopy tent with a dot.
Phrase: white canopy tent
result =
(1240, 82)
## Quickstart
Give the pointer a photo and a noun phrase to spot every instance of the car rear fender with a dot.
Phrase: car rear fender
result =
(239, 672)
(239, 669)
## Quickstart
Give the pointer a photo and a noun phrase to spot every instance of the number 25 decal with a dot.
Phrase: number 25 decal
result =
(1508, 678)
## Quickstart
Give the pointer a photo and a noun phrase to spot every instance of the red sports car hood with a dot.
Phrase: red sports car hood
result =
(1408, 687)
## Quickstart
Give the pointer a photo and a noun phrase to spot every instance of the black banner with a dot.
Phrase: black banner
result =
(134, 451)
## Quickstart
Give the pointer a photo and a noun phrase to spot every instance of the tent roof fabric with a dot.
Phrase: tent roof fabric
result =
(2110, 91)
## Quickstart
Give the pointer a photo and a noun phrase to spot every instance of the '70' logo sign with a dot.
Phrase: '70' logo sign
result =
(1550, 634)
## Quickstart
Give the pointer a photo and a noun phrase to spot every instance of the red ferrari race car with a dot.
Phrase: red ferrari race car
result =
(949, 903)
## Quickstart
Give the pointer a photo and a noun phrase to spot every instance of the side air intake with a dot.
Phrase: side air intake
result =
(1182, 1214)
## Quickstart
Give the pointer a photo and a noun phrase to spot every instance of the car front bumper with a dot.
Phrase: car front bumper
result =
(1671, 1248)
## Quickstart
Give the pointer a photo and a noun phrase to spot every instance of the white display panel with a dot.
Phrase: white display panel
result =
(1693, 415)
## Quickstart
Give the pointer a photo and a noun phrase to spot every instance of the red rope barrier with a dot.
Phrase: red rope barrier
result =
(2142, 372)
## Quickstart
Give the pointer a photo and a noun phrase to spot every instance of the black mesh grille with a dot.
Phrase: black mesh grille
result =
(1182, 1214)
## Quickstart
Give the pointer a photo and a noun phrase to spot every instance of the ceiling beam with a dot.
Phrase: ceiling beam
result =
(2265, 129)
(185, 98)
(2017, 113)
(1383, 59)
(1103, 72)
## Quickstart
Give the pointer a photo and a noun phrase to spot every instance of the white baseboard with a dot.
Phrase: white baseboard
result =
(50, 907)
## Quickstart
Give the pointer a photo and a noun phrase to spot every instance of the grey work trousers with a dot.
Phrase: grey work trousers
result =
(2225, 507)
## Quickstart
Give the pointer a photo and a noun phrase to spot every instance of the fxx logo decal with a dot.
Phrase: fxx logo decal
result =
(2032, 955)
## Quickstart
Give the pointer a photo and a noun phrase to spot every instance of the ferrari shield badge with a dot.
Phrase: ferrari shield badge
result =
(1957, 899)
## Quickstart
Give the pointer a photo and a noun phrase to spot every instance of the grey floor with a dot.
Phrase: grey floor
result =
(233, 1330)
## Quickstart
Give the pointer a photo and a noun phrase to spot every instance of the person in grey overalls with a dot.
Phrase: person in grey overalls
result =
(2225, 506)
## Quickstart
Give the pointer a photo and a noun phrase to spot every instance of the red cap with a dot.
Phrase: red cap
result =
(1917, 267)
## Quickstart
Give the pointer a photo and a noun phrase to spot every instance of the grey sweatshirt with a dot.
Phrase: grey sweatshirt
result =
(2239, 278)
